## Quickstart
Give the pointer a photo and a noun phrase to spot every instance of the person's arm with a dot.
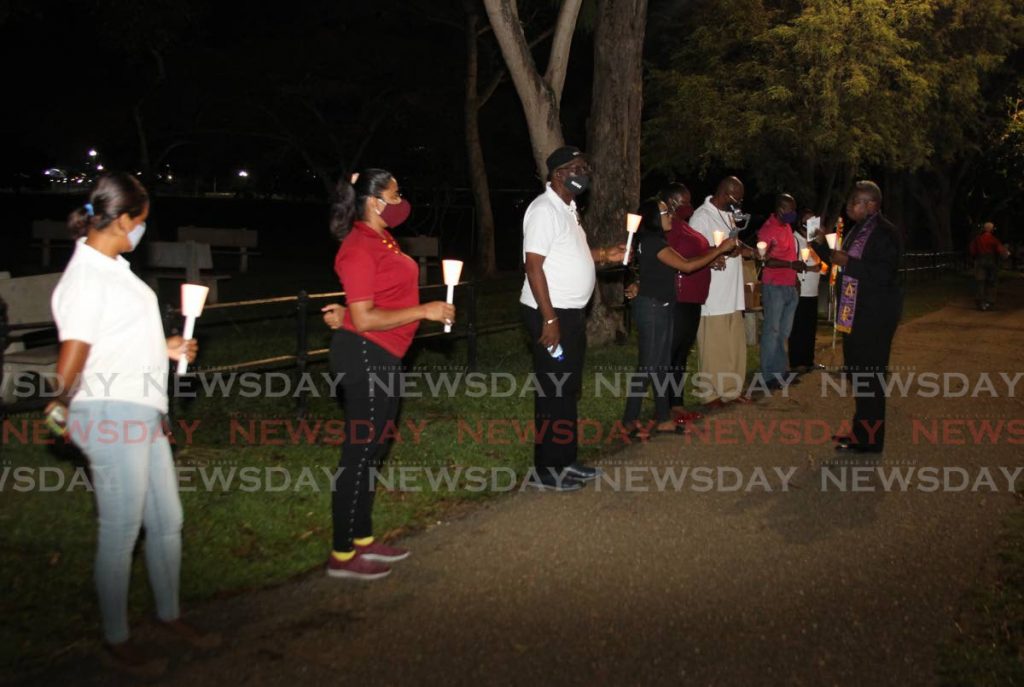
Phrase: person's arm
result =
(608, 254)
(550, 333)
(670, 257)
(70, 363)
(787, 264)
(880, 262)
(366, 317)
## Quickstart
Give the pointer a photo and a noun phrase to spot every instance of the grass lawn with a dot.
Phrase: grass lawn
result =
(237, 539)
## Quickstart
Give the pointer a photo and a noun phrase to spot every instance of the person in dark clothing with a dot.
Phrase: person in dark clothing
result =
(870, 306)
(691, 289)
(654, 310)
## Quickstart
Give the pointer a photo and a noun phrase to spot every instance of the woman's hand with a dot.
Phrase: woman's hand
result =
(632, 291)
(334, 315)
(177, 347)
(615, 253)
(439, 311)
(719, 263)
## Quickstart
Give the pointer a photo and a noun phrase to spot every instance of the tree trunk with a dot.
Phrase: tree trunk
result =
(540, 95)
(144, 159)
(614, 141)
(474, 148)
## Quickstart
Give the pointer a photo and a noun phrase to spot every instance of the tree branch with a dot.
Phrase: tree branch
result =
(558, 61)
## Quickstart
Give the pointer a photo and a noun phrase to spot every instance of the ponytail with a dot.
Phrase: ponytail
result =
(114, 194)
(350, 196)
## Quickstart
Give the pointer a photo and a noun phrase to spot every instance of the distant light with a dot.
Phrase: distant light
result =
(242, 173)
(170, 177)
(92, 152)
(99, 168)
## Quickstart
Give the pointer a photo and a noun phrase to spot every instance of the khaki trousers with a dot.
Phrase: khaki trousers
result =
(722, 349)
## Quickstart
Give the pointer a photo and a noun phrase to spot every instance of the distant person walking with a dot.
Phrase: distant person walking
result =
(370, 338)
(112, 371)
(986, 250)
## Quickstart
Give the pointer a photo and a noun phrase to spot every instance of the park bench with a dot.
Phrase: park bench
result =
(181, 261)
(425, 250)
(27, 301)
(238, 242)
(46, 233)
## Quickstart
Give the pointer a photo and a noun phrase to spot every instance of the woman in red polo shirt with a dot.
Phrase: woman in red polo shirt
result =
(371, 336)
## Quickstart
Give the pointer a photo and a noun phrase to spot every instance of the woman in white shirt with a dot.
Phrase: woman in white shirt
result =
(112, 368)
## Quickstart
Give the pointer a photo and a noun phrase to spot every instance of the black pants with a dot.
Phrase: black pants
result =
(866, 358)
(801, 338)
(686, 323)
(555, 414)
(368, 410)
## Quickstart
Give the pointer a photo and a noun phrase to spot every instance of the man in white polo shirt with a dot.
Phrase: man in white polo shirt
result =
(721, 338)
(560, 278)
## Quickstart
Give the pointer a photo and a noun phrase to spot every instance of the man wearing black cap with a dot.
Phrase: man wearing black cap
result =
(560, 278)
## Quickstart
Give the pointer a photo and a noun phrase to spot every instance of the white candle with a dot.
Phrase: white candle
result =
(831, 239)
(717, 236)
(762, 248)
(805, 254)
(632, 224)
(193, 298)
(452, 270)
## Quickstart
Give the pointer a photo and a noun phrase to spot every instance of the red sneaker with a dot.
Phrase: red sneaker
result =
(357, 568)
(382, 553)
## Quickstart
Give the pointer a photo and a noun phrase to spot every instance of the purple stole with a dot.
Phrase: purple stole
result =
(848, 292)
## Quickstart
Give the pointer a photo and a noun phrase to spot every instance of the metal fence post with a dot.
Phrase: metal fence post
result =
(471, 328)
(301, 350)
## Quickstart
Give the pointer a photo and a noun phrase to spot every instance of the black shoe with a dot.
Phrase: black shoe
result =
(581, 473)
(546, 480)
(773, 385)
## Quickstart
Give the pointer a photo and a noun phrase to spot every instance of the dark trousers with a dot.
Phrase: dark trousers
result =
(368, 410)
(655, 332)
(866, 358)
(805, 327)
(685, 325)
(555, 414)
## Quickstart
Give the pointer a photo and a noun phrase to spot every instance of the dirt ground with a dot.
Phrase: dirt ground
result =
(792, 580)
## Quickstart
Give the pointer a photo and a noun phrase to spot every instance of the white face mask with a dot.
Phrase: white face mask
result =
(135, 235)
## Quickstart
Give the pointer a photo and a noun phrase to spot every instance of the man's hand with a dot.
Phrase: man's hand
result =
(550, 334)
(840, 258)
(719, 263)
(615, 253)
(632, 291)
(799, 266)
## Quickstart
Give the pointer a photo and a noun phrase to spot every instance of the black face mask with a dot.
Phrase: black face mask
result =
(577, 184)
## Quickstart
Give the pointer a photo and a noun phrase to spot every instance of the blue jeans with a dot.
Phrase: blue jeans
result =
(779, 304)
(654, 324)
(135, 485)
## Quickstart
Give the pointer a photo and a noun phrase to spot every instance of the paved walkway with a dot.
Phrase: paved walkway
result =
(807, 586)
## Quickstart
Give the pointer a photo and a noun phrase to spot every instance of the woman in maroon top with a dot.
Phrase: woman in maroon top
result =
(691, 289)
(371, 336)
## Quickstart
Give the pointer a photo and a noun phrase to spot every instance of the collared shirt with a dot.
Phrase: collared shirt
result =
(372, 267)
(726, 293)
(692, 287)
(99, 301)
(552, 228)
(781, 246)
